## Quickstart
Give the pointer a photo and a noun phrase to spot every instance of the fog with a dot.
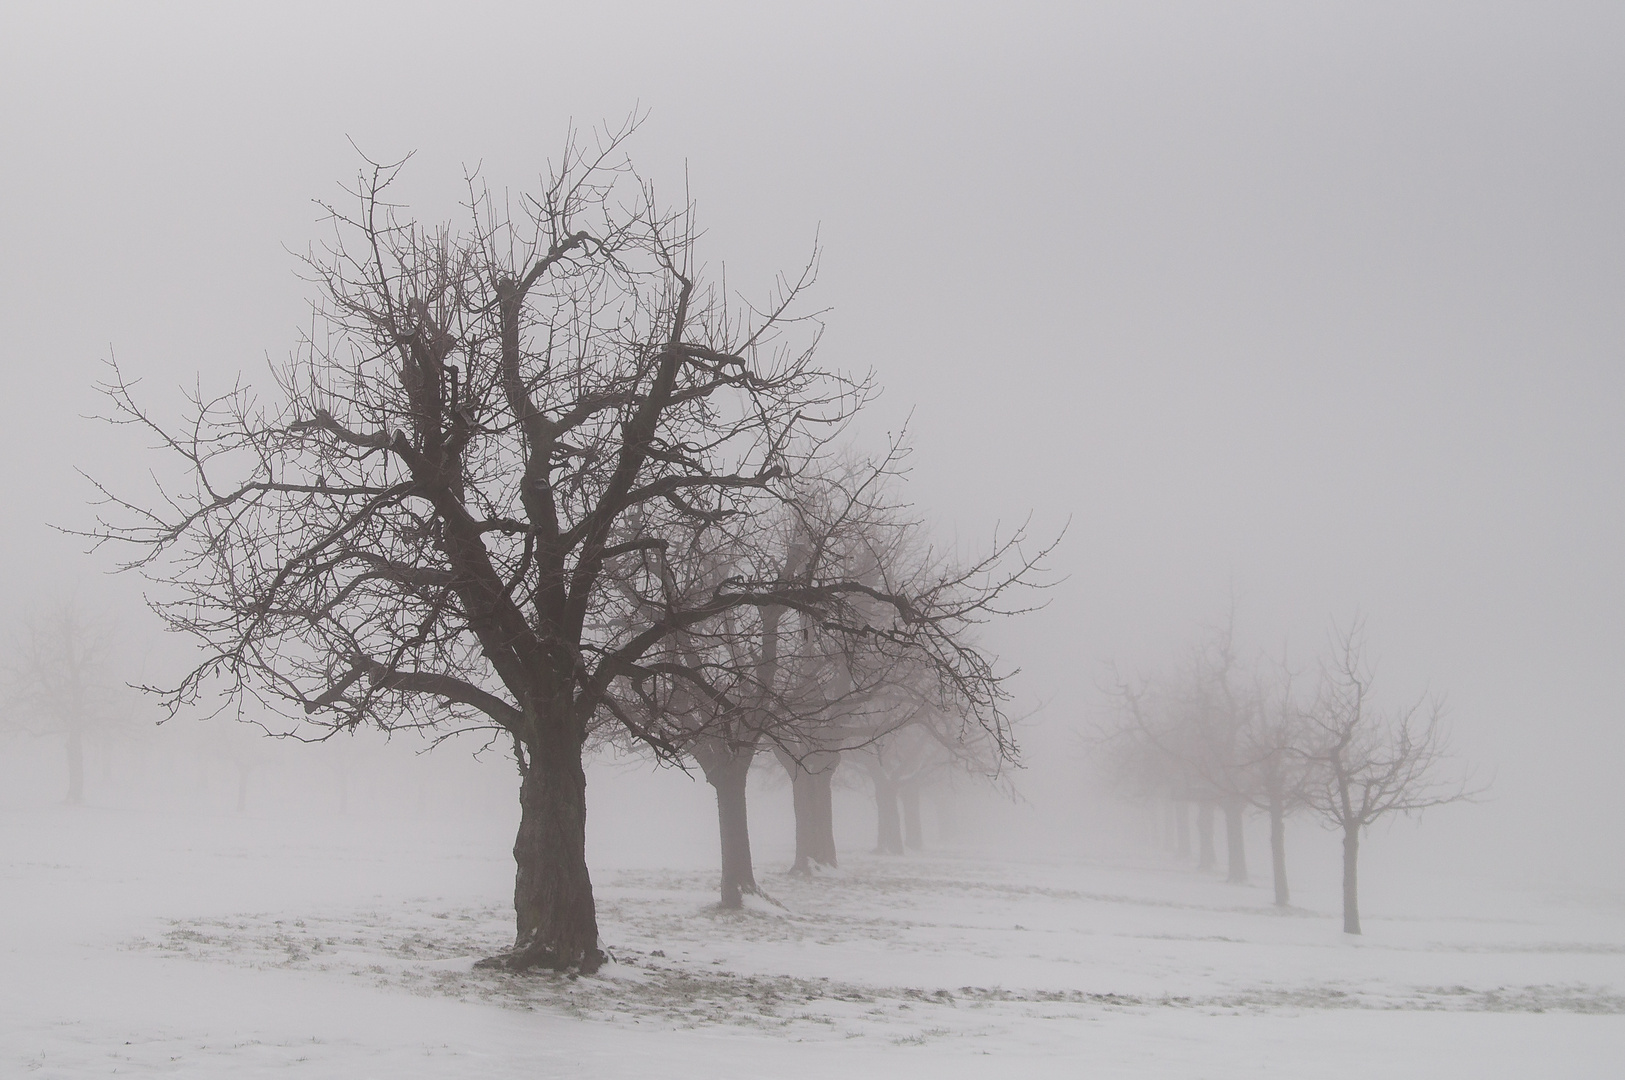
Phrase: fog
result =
(1304, 311)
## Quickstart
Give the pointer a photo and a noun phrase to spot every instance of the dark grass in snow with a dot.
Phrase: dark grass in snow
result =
(882, 951)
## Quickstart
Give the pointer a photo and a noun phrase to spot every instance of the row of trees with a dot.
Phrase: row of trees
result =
(60, 683)
(1229, 735)
(538, 475)
(774, 679)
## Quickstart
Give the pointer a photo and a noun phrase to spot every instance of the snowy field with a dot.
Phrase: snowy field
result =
(151, 942)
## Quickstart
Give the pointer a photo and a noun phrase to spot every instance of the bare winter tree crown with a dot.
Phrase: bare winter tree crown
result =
(515, 464)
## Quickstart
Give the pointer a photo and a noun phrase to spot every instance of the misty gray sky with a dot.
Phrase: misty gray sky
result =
(1318, 303)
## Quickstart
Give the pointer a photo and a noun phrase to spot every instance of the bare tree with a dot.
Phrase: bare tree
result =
(1134, 747)
(920, 753)
(725, 721)
(1370, 763)
(809, 760)
(61, 682)
(1245, 747)
(1274, 770)
(1217, 711)
(493, 439)
(730, 697)
(1179, 737)
(850, 693)
(899, 760)
(723, 699)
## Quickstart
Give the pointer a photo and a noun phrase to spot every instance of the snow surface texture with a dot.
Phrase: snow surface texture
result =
(156, 944)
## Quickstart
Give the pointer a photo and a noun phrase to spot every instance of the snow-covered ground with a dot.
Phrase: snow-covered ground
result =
(151, 942)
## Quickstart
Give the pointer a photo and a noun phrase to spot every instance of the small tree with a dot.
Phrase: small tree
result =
(1133, 746)
(1180, 736)
(1216, 712)
(1368, 763)
(724, 719)
(849, 692)
(1246, 747)
(924, 751)
(61, 683)
(900, 760)
(1274, 770)
(722, 701)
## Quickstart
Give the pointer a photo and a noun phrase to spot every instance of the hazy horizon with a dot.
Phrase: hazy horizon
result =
(1313, 308)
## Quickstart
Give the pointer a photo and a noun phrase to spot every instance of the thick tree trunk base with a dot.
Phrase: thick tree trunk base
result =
(815, 830)
(728, 780)
(731, 903)
(557, 919)
(538, 956)
(811, 868)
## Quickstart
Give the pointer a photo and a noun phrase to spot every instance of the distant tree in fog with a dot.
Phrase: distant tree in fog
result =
(1181, 736)
(1216, 706)
(719, 721)
(1274, 769)
(753, 677)
(899, 762)
(1219, 733)
(239, 747)
(459, 504)
(857, 695)
(1250, 734)
(1368, 763)
(60, 683)
(922, 754)
(726, 699)
(1140, 752)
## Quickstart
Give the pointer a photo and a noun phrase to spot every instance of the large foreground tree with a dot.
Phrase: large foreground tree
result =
(457, 503)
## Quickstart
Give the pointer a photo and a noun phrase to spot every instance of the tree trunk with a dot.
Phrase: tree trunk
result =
(949, 823)
(815, 830)
(1182, 825)
(1206, 859)
(558, 923)
(889, 834)
(738, 875)
(913, 836)
(823, 823)
(76, 768)
(1278, 850)
(801, 795)
(1351, 886)
(1235, 842)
